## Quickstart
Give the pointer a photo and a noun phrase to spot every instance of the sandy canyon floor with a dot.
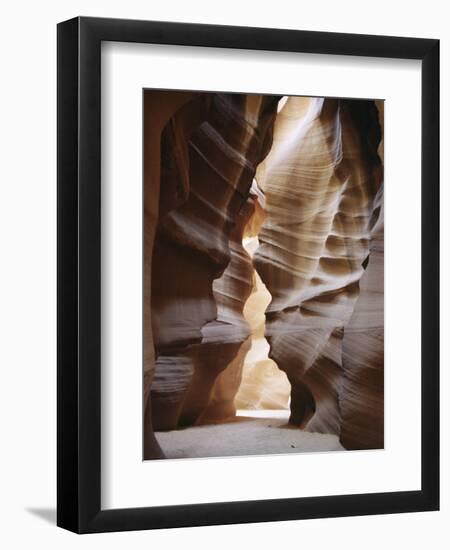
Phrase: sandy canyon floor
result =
(249, 433)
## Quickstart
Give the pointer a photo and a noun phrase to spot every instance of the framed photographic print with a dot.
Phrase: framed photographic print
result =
(248, 256)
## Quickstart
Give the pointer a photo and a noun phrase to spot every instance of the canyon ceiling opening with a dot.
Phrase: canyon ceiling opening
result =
(263, 274)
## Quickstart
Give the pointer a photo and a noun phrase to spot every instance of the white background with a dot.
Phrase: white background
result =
(127, 481)
(28, 274)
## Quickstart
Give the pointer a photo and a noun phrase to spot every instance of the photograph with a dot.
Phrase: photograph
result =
(263, 274)
(225, 250)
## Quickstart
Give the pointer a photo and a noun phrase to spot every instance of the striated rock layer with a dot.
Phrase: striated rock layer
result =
(321, 179)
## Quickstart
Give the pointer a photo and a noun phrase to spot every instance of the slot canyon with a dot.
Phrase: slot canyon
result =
(263, 274)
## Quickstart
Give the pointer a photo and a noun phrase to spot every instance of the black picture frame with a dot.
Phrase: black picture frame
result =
(79, 281)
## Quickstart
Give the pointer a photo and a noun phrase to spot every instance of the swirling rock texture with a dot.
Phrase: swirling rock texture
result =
(321, 180)
(210, 149)
(224, 173)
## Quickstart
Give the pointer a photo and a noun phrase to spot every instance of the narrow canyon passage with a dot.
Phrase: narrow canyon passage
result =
(263, 274)
(263, 385)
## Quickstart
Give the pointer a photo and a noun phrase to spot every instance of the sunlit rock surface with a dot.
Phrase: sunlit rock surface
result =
(320, 180)
(263, 384)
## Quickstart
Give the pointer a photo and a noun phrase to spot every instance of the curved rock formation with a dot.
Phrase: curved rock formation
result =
(320, 179)
(212, 168)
